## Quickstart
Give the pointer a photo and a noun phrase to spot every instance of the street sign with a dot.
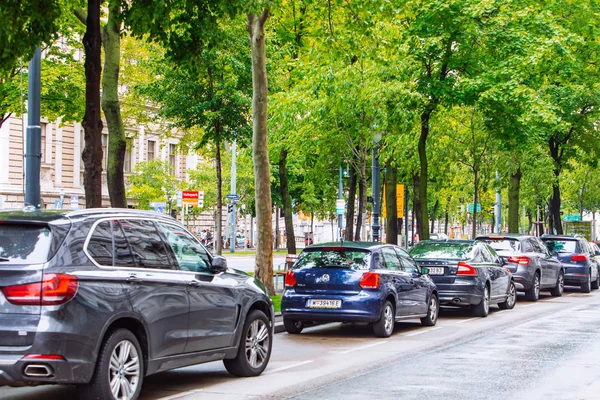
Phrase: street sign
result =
(200, 199)
(155, 204)
(190, 197)
(232, 196)
(340, 205)
(571, 218)
(470, 207)
(74, 202)
(58, 204)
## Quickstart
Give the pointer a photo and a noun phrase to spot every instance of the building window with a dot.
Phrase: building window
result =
(151, 150)
(173, 157)
(43, 140)
(104, 150)
(127, 161)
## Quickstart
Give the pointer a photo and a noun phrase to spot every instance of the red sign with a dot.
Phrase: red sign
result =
(190, 197)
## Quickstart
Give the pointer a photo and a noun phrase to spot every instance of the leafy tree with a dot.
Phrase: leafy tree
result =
(153, 181)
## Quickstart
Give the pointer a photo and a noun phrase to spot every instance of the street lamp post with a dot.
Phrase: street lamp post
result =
(376, 184)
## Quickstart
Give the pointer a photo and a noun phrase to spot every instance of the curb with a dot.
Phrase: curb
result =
(278, 323)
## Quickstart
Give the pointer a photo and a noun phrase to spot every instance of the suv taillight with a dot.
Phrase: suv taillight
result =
(465, 269)
(290, 279)
(54, 289)
(578, 258)
(370, 280)
(519, 260)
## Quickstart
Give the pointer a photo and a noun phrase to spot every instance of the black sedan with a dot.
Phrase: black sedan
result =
(533, 267)
(467, 273)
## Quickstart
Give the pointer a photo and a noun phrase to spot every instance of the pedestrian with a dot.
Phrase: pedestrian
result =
(203, 236)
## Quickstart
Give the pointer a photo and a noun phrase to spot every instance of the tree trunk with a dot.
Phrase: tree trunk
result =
(219, 220)
(446, 222)
(391, 225)
(554, 203)
(433, 215)
(475, 200)
(582, 192)
(530, 222)
(260, 150)
(287, 203)
(514, 188)
(92, 122)
(421, 195)
(117, 142)
(415, 204)
(349, 232)
(362, 197)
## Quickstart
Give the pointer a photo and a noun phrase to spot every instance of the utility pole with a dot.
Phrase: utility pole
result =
(340, 197)
(375, 180)
(498, 206)
(233, 191)
(406, 194)
(34, 134)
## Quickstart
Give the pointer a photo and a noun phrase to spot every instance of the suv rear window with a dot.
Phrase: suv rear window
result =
(331, 258)
(561, 246)
(24, 244)
(503, 244)
(445, 250)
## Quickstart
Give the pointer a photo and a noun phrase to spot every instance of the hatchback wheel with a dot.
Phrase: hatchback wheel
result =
(533, 294)
(385, 325)
(119, 369)
(432, 312)
(255, 347)
(483, 308)
(293, 326)
(557, 290)
(511, 299)
(587, 287)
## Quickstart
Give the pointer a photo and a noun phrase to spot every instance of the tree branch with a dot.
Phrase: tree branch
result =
(81, 15)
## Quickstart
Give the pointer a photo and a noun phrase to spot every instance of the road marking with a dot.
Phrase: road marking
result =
(420, 332)
(467, 320)
(298, 364)
(180, 395)
(529, 305)
(363, 347)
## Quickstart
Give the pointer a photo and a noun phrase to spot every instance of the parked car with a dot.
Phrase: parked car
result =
(577, 258)
(532, 265)
(438, 236)
(357, 282)
(101, 298)
(467, 273)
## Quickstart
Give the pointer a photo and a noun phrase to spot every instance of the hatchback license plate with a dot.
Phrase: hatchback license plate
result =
(322, 303)
(436, 270)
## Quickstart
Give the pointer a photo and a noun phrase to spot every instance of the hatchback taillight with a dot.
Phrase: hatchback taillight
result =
(578, 258)
(465, 269)
(54, 289)
(519, 260)
(290, 279)
(370, 280)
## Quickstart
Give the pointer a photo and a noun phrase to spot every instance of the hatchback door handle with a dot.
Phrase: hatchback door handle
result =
(194, 283)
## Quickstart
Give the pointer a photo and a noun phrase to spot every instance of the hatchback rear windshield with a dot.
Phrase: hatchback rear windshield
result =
(24, 244)
(334, 258)
(561, 246)
(503, 244)
(445, 250)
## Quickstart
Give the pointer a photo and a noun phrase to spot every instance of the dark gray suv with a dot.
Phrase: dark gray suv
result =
(102, 298)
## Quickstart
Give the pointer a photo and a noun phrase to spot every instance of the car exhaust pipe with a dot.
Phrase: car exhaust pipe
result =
(456, 300)
(38, 371)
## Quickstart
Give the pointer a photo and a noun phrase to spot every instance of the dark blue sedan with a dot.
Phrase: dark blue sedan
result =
(357, 282)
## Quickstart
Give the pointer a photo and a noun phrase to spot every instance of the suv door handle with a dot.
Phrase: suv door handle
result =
(133, 279)
(194, 283)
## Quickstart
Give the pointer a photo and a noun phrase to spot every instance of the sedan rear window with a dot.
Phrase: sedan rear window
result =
(445, 250)
(561, 246)
(503, 244)
(334, 258)
(24, 244)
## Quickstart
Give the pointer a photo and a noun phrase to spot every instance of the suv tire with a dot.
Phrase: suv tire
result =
(384, 326)
(557, 290)
(483, 308)
(432, 311)
(255, 346)
(587, 287)
(293, 326)
(117, 342)
(533, 294)
(596, 283)
(511, 299)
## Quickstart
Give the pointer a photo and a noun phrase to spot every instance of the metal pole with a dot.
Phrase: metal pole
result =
(340, 196)
(376, 193)
(34, 134)
(233, 189)
(498, 206)
(406, 214)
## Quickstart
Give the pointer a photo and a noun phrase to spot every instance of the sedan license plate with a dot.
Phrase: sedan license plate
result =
(322, 303)
(436, 270)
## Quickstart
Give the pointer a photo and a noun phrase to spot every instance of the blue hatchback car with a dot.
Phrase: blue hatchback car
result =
(357, 282)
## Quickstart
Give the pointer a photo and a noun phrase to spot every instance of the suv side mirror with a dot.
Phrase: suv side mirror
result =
(219, 264)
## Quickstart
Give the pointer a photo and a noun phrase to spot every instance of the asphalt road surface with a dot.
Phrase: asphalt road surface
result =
(544, 350)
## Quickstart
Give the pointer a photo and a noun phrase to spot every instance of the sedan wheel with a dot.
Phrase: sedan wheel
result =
(432, 312)
(483, 308)
(385, 325)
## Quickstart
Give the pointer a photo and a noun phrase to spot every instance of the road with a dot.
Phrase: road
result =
(548, 349)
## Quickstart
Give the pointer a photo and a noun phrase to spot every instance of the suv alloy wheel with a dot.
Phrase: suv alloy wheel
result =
(254, 348)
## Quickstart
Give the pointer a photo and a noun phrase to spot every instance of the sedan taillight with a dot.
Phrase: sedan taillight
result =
(54, 289)
(519, 260)
(465, 269)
